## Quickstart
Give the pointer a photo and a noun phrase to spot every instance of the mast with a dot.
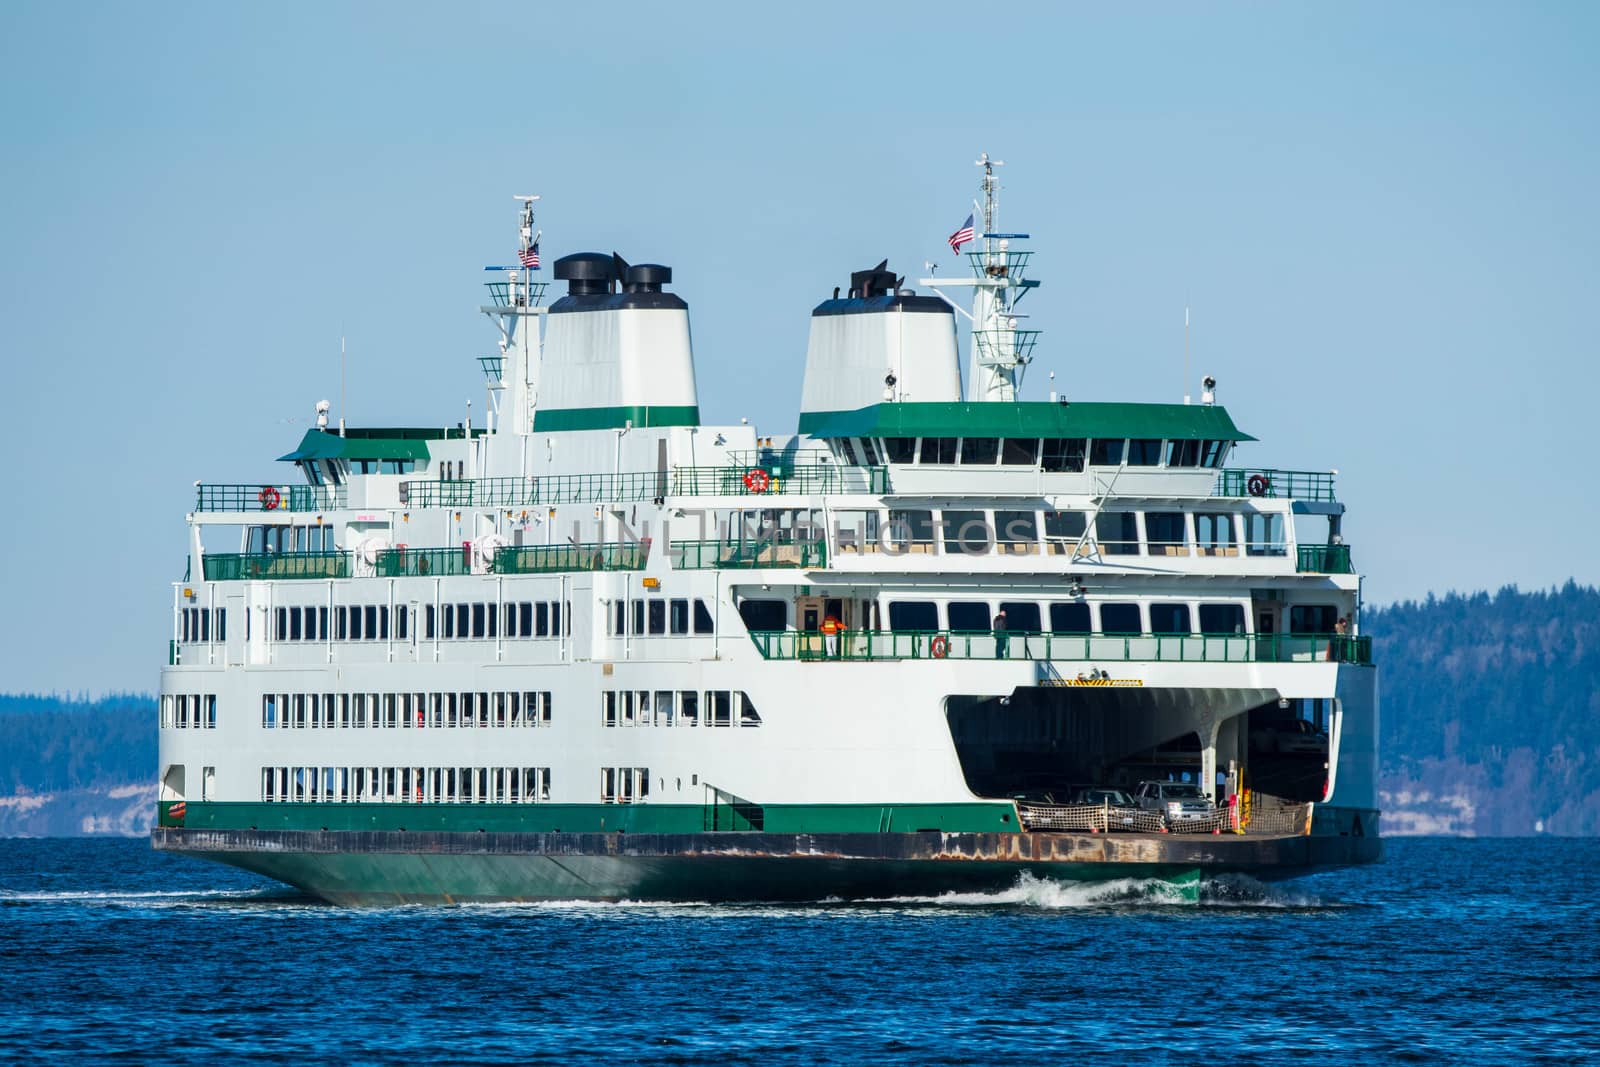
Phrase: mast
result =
(1000, 350)
(515, 311)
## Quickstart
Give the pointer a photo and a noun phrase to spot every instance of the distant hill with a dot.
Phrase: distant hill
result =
(76, 766)
(1491, 712)
(1490, 726)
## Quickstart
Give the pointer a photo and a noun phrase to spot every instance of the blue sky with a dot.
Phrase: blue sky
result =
(1383, 216)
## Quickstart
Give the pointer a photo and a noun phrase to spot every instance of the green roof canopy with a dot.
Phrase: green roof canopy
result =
(1179, 422)
(318, 444)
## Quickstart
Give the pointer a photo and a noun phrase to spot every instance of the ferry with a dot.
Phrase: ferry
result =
(937, 638)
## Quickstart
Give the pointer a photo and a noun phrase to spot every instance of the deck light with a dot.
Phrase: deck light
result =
(652, 583)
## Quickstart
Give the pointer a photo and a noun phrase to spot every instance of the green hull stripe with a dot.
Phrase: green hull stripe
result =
(595, 818)
(614, 418)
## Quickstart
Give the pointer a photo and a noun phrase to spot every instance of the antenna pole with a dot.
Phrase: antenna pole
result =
(1186, 353)
(341, 383)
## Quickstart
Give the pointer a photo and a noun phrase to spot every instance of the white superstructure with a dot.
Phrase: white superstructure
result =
(927, 610)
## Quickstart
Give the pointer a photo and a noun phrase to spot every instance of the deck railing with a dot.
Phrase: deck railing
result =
(546, 559)
(411, 562)
(269, 497)
(773, 478)
(1087, 648)
(269, 566)
(725, 555)
(1275, 484)
(1323, 559)
(535, 492)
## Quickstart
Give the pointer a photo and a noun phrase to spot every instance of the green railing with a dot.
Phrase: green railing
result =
(544, 559)
(421, 562)
(772, 478)
(1275, 484)
(1323, 559)
(749, 555)
(257, 497)
(1098, 648)
(250, 566)
(535, 492)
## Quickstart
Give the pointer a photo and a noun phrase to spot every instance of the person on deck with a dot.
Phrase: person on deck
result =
(1002, 637)
(831, 628)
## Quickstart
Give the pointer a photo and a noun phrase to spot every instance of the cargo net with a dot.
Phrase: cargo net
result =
(1251, 813)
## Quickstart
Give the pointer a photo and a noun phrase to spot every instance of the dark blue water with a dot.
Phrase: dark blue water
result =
(1449, 951)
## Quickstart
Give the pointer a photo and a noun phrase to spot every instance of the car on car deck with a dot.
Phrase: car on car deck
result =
(1182, 805)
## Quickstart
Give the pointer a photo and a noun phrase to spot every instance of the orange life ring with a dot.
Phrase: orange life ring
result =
(940, 647)
(270, 498)
(757, 481)
(1258, 485)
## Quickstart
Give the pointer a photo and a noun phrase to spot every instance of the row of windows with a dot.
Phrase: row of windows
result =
(1119, 533)
(198, 624)
(668, 707)
(300, 711)
(1050, 453)
(354, 622)
(624, 785)
(1074, 617)
(189, 711)
(541, 618)
(371, 622)
(659, 616)
(406, 785)
(287, 539)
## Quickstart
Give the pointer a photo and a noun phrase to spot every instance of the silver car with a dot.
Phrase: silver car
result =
(1184, 807)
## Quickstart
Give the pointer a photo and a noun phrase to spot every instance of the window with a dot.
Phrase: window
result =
(1063, 454)
(910, 531)
(658, 616)
(939, 449)
(1212, 453)
(1019, 451)
(1183, 453)
(1169, 618)
(1264, 534)
(1144, 452)
(1017, 532)
(966, 532)
(719, 708)
(1117, 532)
(689, 709)
(1213, 532)
(1120, 619)
(846, 451)
(900, 449)
(969, 617)
(703, 623)
(1105, 452)
(759, 615)
(1312, 618)
(477, 620)
(1069, 619)
(1222, 618)
(1165, 532)
(980, 450)
(913, 615)
(638, 617)
(868, 452)
(1022, 617)
(680, 617)
(1063, 530)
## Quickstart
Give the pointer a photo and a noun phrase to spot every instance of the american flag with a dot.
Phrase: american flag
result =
(530, 255)
(961, 236)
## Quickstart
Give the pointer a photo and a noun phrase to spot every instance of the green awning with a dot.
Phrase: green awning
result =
(1178, 422)
(317, 444)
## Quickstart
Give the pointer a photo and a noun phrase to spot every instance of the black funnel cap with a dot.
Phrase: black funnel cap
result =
(646, 278)
(874, 282)
(586, 273)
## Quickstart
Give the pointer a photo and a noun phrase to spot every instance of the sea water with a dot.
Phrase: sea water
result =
(1460, 951)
